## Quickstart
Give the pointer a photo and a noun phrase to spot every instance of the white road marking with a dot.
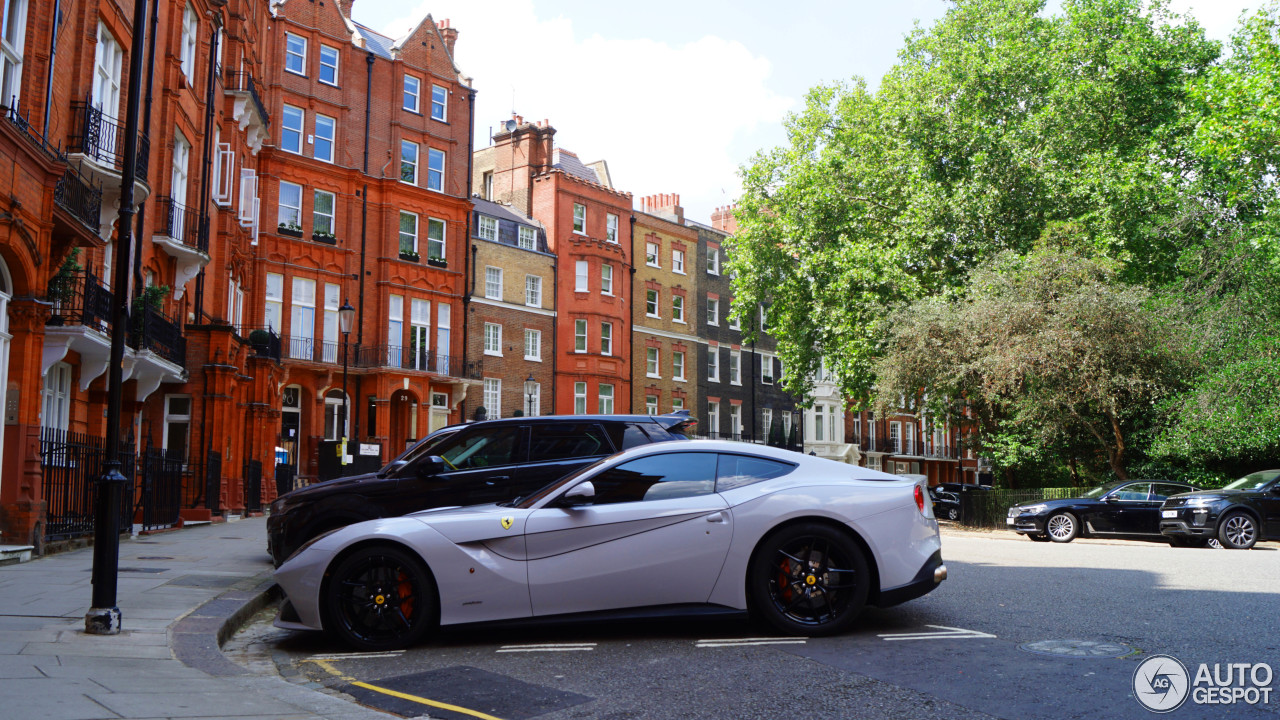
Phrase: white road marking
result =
(744, 642)
(357, 656)
(947, 633)
(547, 647)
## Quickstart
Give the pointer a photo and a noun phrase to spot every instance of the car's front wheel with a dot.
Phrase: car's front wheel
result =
(380, 598)
(1238, 531)
(953, 513)
(1062, 527)
(809, 579)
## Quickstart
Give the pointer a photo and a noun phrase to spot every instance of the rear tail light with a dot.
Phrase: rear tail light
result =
(920, 499)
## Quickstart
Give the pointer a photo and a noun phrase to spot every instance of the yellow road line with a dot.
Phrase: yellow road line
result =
(396, 694)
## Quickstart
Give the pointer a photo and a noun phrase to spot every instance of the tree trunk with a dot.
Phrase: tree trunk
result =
(1116, 455)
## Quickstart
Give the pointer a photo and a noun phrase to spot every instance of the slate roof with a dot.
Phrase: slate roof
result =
(501, 212)
(569, 162)
(378, 44)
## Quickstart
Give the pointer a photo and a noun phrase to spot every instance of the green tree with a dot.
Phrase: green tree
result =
(996, 126)
(1051, 355)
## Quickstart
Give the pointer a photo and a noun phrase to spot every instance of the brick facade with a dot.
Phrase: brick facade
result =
(666, 340)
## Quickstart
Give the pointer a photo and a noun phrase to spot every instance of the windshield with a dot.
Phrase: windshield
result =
(530, 500)
(1101, 490)
(1254, 481)
(422, 449)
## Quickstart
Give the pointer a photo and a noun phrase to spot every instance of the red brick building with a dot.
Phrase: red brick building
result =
(588, 227)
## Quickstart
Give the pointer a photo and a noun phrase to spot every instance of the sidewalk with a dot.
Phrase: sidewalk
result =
(180, 594)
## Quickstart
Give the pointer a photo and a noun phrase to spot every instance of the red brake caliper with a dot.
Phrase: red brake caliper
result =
(405, 590)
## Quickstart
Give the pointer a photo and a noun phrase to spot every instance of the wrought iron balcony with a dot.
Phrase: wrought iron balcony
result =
(181, 223)
(75, 193)
(298, 347)
(408, 358)
(102, 139)
(80, 299)
(154, 331)
(243, 82)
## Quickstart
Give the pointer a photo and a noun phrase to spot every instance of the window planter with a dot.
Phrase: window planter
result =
(324, 238)
(290, 230)
(437, 262)
(409, 256)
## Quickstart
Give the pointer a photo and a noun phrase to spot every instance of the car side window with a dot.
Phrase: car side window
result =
(1134, 491)
(484, 448)
(627, 435)
(559, 441)
(735, 471)
(1162, 491)
(657, 477)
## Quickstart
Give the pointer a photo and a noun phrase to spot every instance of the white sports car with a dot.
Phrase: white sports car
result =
(683, 527)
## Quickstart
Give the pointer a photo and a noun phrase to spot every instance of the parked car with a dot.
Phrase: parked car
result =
(697, 526)
(1130, 508)
(1237, 516)
(481, 462)
(946, 505)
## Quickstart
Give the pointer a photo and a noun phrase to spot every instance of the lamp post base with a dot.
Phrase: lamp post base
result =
(102, 621)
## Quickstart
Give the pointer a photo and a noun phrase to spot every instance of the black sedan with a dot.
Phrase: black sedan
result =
(1120, 509)
(1237, 516)
(946, 505)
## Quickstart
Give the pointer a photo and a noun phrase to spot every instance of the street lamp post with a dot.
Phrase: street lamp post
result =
(530, 387)
(346, 314)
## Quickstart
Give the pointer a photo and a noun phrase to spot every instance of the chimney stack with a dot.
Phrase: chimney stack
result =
(665, 205)
(447, 34)
(723, 219)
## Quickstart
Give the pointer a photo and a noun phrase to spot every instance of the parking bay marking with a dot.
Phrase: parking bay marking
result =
(327, 667)
(548, 647)
(942, 633)
(357, 656)
(745, 642)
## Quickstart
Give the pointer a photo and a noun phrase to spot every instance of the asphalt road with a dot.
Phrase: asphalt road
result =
(963, 651)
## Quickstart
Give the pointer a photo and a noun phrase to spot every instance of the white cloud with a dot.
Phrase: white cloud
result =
(664, 116)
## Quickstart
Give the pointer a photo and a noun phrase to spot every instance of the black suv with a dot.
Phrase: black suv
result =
(1238, 515)
(470, 464)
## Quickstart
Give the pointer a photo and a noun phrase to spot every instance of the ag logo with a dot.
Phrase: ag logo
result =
(506, 522)
(1161, 683)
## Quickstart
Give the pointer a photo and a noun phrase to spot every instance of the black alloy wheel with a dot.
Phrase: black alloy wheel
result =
(809, 579)
(1238, 531)
(380, 598)
(1062, 527)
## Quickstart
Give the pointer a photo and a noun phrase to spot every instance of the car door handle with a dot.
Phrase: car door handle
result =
(493, 480)
(718, 517)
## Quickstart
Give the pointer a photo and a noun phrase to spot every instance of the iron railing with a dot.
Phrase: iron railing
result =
(70, 464)
(159, 489)
(253, 486)
(243, 82)
(153, 330)
(102, 138)
(80, 299)
(408, 358)
(299, 347)
(213, 482)
(181, 223)
(265, 341)
(989, 508)
(73, 193)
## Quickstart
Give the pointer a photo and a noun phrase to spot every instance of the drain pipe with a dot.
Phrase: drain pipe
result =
(364, 237)
(208, 160)
(53, 55)
(468, 266)
(146, 131)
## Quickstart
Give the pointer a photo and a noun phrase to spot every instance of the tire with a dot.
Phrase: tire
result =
(1238, 531)
(809, 579)
(1062, 527)
(380, 598)
(953, 513)
(1037, 537)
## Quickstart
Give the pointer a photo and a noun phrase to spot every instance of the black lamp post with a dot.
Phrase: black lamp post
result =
(346, 314)
(530, 387)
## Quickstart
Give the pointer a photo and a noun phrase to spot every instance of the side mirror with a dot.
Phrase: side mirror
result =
(430, 466)
(1109, 499)
(581, 494)
(1275, 489)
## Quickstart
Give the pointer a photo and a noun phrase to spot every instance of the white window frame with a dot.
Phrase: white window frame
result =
(439, 103)
(318, 217)
(713, 311)
(579, 398)
(414, 95)
(487, 228)
(713, 364)
(677, 404)
(606, 338)
(55, 394)
(677, 365)
(435, 169)
(323, 146)
(420, 333)
(535, 408)
(291, 130)
(713, 418)
(611, 228)
(579, 336)
(651, 251)
(493, 397)
(273, 301)
(735, 367)
(653, 363)
(289, 215)
(526, 238)
(895, 437)
(604, 397)
(293, 56)
(580, 281)
(766, 369)
(412, 236)
(533, 344)
(677, 262)
(436, 246)
(409, 154)
(187, 49)
(677, 308)
(651, 404)
(13, 39)
(302, 319)
(493, 339)
(329, 347)
(579, 219)
(533, 290)
(606, 279)
(713, 260)
(493, 282)
(395, 330)
(337, 55)
(176, 418)
(735, 420)
(651, 300)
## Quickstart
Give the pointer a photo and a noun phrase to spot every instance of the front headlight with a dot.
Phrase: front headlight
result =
(1200, 501)
(1035, 509)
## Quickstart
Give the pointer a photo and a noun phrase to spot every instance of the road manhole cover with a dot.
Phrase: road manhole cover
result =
(1078, 648)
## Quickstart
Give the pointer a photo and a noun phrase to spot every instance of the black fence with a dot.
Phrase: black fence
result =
(181, 223)
(70, 464)
(253, 486)
(989, 508)
(80, 299)
(213, 482)
(410, 358)
(76, 194)
(102, 138)
(286, 478)
(160, 489)
(153, 330)
(788, 444)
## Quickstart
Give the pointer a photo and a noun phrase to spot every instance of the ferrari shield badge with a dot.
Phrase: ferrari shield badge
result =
(506, 522)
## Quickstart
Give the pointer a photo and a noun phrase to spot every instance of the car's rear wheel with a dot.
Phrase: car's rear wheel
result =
(809, 579)
(1238, 531)
(953, 513)
(1062, 527)
(380, 598)
(1037, 537)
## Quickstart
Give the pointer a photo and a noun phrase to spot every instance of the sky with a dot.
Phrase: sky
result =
(676, 98)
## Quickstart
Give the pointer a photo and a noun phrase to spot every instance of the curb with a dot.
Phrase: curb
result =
(196, 639)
